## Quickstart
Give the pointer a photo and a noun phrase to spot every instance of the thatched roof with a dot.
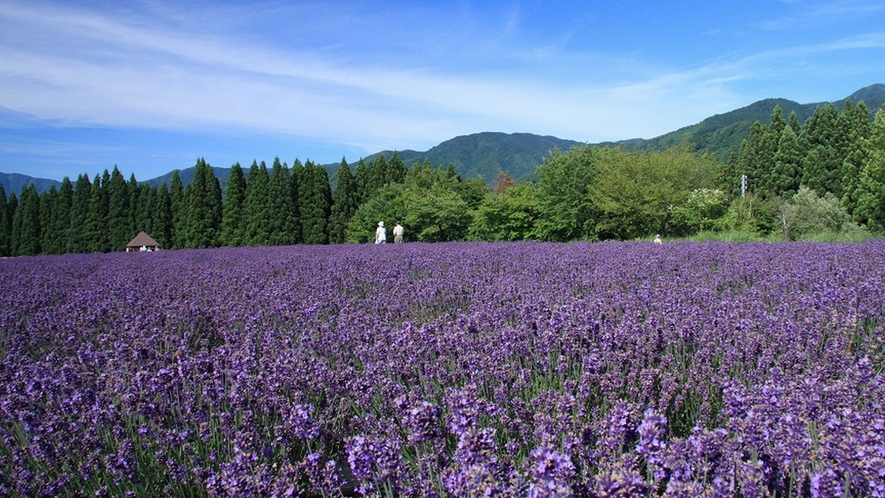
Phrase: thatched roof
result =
(142, 240)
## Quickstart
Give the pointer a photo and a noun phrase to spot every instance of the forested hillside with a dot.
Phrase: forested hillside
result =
(788, 180)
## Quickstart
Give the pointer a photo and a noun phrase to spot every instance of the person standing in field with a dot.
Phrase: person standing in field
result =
(380, 234)
(398, 233)
(658, 239)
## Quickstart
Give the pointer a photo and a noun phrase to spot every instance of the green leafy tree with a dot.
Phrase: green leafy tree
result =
(701, 211)
(508, 216)
(77, 236)
(258, 205)
(387, 204)
(564, 179)
(751, 214)
(233, 216)
(634, 192)
(26, 223)
(344, 204)
(203, 208)
(140, 207)
(806, 214)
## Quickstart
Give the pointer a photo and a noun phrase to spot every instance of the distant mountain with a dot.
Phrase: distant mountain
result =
(722, 134)
(485, 154)
(14, 183)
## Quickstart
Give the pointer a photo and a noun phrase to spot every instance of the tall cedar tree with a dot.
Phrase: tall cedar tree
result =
(823, 140)
(315, 203)
(859, 126)
(203, 208)
(871, 195)
(362, 177)
(257, 205)
(97, 234)
(5, 224)
(26, 224)
(77, 236)
(144, 197)
(295, 179)
(55, 231)
(162, 217)
(178, 211)
(344, 204)
(787, 165)
(47, 205)
(118, 220)
(233, 217)
(283, 229)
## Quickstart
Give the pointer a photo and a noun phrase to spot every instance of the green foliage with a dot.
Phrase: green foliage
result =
(77, 235)
(634, 192)
(285, 227)
(233, 213)
(178, 211)
(344, 205)
(750, 214)
(5, 224)
(508, 216)
(25, 236)
(258, 206)
(118, 224)
(699, 212)
(871, 188)
(314, 203)
(204, 208)
(806, 214)
(564, 179)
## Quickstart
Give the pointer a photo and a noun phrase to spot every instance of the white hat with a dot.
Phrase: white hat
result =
(380, 223)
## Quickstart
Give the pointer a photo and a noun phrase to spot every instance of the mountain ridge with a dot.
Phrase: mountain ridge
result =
(485, 154)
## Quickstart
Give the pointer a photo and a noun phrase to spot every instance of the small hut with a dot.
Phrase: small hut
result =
(142, 242)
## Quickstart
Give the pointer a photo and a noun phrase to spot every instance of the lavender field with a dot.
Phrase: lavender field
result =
(522, 369)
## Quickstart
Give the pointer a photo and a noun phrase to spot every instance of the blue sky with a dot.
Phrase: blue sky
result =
(150, 86)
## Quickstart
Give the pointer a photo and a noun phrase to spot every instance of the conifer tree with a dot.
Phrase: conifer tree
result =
(5, 223)
(162, 217)
(257, 205)
(118, 218)
(296, 178)
(26, 223)
(47, 204)
(233, 217)
(143, 212)
(363, 179)
(871, 191)
(823, 140)
(283, 223)
(344, 204)
(203, 202)
(315, 197)
(787, 165)
(57, 219)
(77, 237)
(396, 170)
(178, 212)
(97, 222)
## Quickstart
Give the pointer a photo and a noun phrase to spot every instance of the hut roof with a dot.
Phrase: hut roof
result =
(142, 239)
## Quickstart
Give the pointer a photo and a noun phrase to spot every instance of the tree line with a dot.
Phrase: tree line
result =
(789, 180)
